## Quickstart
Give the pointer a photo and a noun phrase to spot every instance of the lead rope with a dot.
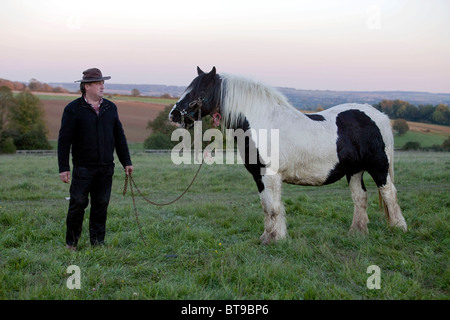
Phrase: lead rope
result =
(134, 206)
(129, 180)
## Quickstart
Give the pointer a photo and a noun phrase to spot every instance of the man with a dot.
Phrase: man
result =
(90, 125)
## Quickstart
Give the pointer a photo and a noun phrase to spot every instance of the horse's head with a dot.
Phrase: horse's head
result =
(200, 98)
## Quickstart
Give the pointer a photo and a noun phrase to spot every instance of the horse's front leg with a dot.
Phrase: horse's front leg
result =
(274, 212)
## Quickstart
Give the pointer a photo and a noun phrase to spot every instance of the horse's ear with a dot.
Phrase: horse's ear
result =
(211, 75)
(199, 71)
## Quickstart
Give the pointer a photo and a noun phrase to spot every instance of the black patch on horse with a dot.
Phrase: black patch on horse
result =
(315, 117)
(360, 146)
(253, 168)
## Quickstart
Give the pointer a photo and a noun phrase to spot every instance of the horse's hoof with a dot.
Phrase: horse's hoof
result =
(358, 230)
(267, 238)
(272, 237)
(400, 224)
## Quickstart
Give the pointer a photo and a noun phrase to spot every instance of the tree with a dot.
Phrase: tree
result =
(135, 93)
(386, 106)
(426, 112)
(399, 109)
(60, 90)
(34, 85)
(166, 96)
(401, 126)
(162, 129)
(7, 102)
(161, 123)
(27, 123)
(441, 115)
(13, 85)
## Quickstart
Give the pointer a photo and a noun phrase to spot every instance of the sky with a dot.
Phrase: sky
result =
(359, 45)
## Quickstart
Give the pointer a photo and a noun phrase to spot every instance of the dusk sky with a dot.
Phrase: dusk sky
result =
(325, 45)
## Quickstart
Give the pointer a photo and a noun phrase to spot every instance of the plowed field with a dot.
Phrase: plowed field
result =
(134, 116)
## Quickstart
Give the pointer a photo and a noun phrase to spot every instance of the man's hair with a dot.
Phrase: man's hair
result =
(82, 88)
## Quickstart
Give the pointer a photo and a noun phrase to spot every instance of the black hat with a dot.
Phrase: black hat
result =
(92, 75)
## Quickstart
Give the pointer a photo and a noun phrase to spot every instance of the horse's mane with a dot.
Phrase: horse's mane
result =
(241, 96)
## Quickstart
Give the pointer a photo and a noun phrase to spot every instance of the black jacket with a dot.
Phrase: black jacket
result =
(92, 138)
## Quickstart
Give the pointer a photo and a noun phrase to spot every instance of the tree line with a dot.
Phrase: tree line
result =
(33, 85)
(399, 109)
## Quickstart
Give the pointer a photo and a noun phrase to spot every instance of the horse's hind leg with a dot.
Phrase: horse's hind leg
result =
(274, 212)
(359, 197)
(394, 213)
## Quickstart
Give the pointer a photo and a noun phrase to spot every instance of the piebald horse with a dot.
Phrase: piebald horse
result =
(314, 149)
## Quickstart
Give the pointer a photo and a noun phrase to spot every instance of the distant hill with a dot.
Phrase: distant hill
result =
(311, 99)
(302, 99)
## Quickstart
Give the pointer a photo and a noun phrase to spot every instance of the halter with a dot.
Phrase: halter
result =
(196, 105)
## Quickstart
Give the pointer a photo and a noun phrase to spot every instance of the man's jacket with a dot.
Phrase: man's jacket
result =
(92, 138)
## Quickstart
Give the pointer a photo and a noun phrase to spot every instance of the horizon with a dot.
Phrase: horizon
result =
(299, 89)
(54, 84)
(360, 46)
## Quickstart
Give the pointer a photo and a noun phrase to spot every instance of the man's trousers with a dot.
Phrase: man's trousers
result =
(96, 182)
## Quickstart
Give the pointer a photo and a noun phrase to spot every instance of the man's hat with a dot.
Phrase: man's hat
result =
(92, 75)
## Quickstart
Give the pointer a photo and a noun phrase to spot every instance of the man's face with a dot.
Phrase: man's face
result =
(95, 88)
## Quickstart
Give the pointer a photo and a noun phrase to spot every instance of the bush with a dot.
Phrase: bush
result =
(411, 145)
(159, 141)
(446, 145)
(7, 146)
(27, 123)
(35, 139)
(401, 126)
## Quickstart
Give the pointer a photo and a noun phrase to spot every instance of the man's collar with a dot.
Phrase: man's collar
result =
(85, 99)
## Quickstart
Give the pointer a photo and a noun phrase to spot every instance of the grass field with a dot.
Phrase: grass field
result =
(425, 139)
(426, 135)
(206, 246)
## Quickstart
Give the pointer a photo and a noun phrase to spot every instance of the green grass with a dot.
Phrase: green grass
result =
(138, 146)
(154, 100)
(425, 140)
(206, 246)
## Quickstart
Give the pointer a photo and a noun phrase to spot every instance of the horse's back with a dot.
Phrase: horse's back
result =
(342, 141)
(366, 108)
(380, 119)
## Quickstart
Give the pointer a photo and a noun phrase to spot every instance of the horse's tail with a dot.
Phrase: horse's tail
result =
(383, 205)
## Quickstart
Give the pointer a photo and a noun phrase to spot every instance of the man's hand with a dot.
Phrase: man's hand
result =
(129, 170)
(65, 176)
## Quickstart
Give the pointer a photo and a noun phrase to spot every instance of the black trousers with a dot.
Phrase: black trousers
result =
(96, 182)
